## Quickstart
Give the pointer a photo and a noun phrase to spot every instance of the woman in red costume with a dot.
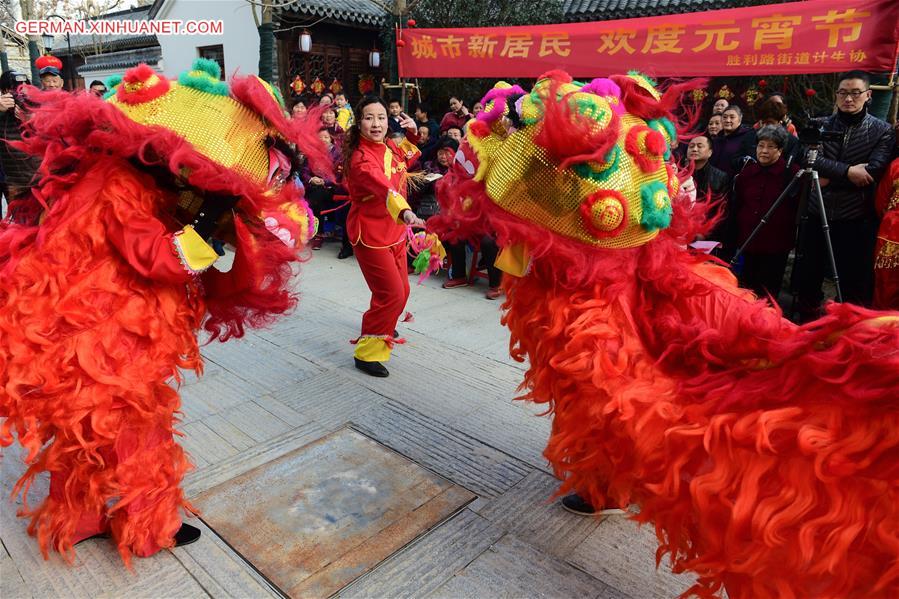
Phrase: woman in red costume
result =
(101, 303)
(765, 454)
(379, 214)
(886, 255)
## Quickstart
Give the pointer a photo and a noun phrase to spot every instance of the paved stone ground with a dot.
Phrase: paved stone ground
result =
(447, 406)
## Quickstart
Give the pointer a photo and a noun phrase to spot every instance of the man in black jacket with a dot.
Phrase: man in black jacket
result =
(850, 170)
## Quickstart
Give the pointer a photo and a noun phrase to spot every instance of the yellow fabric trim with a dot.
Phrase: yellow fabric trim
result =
(388, 161)
(514, 260)
(196, 255)
(407, 146)
(396, 203)
(372, 349)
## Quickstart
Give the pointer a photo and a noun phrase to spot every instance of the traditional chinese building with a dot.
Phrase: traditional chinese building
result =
(342, 34)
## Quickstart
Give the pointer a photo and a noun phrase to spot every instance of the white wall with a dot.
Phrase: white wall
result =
(239, 36)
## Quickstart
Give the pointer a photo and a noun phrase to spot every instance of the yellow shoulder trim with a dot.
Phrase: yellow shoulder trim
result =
(196, 255)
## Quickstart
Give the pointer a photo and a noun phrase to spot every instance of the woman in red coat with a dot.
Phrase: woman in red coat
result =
(376, 225)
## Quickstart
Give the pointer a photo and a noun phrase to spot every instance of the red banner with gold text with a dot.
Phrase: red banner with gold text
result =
(817, 36)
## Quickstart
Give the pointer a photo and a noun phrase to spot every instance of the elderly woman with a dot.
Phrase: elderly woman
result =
(756, 188)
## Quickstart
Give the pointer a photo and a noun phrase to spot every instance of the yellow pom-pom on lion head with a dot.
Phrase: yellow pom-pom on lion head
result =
(588, 161)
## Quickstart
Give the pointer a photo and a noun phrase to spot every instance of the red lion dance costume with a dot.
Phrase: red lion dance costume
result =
(100, 303)
(765, 454)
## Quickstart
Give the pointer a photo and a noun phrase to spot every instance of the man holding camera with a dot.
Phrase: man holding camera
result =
(18, 167)
(851, 161)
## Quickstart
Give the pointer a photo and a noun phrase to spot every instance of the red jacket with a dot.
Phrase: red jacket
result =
(377, 187)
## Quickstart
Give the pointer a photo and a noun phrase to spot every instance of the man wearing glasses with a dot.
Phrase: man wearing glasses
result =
(850, 170)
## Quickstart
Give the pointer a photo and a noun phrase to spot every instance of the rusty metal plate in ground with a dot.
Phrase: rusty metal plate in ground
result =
(319, 517)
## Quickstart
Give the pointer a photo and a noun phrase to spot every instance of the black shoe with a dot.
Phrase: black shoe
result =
(575, 504)
(372, 368)
(186, 535)
(344, 253)
(396, 333)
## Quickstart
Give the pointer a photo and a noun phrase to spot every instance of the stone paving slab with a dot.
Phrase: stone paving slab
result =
(429, 562)
(622, 554)
(456, 456)
(512, 569)
(526, 511)
(315, 519)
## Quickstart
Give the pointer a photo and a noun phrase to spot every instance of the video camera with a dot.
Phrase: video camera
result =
(814, 136)
(18, 80)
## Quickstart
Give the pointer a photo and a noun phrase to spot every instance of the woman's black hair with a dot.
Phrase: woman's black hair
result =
(351, 139)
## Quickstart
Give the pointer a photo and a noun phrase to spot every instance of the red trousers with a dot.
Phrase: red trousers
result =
(388, 279)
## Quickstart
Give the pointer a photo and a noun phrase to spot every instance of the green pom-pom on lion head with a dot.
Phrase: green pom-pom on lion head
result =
(205, 76)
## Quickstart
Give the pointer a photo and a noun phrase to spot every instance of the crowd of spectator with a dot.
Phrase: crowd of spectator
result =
(746, 169)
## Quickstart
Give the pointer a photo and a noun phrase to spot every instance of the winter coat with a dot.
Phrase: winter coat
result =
(756, 188)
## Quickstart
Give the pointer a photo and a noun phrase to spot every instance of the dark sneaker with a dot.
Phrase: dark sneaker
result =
(575, 504)
(344, 253)
(316, 243)
(372, 368)
(186, 535)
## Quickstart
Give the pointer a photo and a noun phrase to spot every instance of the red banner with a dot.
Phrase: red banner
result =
(817, 36)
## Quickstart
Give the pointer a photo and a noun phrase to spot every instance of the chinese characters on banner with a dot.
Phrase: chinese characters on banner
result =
(817, 36)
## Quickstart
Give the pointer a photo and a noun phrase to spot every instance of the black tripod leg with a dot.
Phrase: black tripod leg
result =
(825, 226)
(786, 193)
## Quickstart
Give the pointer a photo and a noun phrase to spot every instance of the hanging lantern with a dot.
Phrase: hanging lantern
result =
(810, 93)
(336, 87)
(374, 58)
(318, 86)
(411, 23)
(305, 41)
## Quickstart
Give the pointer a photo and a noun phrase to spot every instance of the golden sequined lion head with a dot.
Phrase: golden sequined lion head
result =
(588, 161)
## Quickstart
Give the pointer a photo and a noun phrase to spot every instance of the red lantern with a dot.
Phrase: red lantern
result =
(763, 84)
(400, 43)
(411, 23)
(810, 93)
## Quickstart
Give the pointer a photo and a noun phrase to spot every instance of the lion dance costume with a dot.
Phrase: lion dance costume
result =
(102, 296)
(765, 454)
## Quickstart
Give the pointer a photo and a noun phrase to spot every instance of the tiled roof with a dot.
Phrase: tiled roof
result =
(360, 12)
(121, 60)
(604, 10)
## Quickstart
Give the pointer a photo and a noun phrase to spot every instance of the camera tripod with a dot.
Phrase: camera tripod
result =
(814, 189)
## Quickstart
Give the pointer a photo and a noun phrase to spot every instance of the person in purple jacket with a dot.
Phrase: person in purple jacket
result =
(731, 147)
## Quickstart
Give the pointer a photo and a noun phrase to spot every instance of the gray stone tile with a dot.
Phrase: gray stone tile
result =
(622, 554)
(513, 569)
(218, 569)
(198, 481)
(426, 564)
(457, 456)
(514, 427)
(257, 361)
(330, 399)
(527, 511)
(11, 583)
